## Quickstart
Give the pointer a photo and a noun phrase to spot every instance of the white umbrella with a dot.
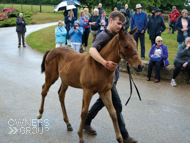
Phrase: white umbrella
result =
(65, 5)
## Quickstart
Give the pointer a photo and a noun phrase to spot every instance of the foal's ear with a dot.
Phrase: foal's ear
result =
(132, 32)
(121, 32)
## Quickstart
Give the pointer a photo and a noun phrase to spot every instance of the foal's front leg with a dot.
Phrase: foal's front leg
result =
(87, 96)
(107, 100)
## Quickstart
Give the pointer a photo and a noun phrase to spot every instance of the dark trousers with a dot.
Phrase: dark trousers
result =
(85, 36)
(158, 66)
(142, 40)
(178, 67)
(21, 34)
(118, 107)
(152, 41)
(172, 25)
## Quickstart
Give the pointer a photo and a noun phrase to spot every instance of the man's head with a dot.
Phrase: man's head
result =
(116, 20)
(174, 8)
(138, 8)
(86, 10)
(103, 14)
(126, 6)
(100, 5)
(96, 11)
(20, 15)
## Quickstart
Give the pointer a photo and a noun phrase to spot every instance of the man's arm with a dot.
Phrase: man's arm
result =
(96, 56)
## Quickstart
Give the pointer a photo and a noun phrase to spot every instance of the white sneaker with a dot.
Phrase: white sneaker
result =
(173, 83)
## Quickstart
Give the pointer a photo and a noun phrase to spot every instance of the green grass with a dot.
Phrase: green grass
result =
(47, 42)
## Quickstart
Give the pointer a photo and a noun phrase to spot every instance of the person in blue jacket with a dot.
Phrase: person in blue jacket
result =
(102, 22)
(60, 34)
(69, 21)
(183, 27)
(160, 53)
(76, 33)
(140, 18)
(84, 23)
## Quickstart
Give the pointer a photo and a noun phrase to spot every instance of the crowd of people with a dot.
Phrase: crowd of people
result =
(76, 33)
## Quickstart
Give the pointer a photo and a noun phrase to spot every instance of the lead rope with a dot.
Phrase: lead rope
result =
(131, 79)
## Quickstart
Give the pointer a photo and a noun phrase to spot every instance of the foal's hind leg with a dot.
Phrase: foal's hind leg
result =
(107, 100)
(61, 93)
(50, 77)
(87, 96)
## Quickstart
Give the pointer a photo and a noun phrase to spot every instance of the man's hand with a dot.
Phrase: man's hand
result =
(142, 31)
(184, 65)
(22, 21)
(174, 15)
(112, 66)
(103, 24)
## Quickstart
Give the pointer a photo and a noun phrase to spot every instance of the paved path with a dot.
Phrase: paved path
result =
(163, 115)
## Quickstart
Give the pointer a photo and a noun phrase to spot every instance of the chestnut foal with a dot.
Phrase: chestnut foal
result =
(82, 71)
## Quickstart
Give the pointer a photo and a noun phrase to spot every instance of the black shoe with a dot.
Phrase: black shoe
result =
(156, 81)
(90, 130)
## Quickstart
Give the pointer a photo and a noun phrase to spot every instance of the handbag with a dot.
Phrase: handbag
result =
(155, 59)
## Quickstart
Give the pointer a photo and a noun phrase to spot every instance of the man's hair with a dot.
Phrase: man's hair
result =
(115, 14)
(96, 10)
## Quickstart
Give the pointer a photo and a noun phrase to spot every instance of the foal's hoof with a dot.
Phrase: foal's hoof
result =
(69, 127)
(39, 116)
(81, 141)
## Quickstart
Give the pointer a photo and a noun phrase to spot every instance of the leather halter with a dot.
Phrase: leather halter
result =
(122, 53)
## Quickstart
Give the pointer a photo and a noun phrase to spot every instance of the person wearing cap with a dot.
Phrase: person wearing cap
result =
(60, 34)
(183, 27)
(76, 33)
(92, 22)
(102, 22)
(173, 18)
(126, 24)
(140, 18)
(100, 8)
(128, 11)
(69, 21)
(156, 25)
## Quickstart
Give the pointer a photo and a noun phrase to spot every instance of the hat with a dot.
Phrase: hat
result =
(77, 22)
(123, 11)
(138, 6)
(173, 7)
(156, 9)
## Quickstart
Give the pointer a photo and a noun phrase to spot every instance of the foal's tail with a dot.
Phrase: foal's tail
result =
(43, 62)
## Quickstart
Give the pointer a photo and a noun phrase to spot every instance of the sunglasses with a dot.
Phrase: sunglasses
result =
(160, 41)
(185, 13)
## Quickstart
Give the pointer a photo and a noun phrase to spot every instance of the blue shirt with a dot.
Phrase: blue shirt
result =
(101, 40)
(139, 19)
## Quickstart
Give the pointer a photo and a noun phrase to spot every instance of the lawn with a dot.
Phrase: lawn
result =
(47, 42)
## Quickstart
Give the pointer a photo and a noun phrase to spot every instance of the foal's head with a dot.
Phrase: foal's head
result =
(128, 49)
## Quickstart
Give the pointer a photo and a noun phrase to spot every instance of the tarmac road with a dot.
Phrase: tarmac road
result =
(163, 115)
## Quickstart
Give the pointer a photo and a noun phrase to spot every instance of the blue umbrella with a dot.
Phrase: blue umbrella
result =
(66, 5)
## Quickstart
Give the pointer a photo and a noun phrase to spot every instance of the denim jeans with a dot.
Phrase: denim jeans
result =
(98, 105)
(180, 43)
(172, 25)
(142, 40)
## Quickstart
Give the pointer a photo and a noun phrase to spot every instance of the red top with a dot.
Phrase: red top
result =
(172, 18)
(86, 20)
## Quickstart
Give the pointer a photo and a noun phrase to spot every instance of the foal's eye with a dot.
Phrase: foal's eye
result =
(125, 47)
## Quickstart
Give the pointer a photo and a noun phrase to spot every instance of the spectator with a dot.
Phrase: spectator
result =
(100, 8)
(21, 29)
(128, 11)
(92, 22)
(158, 57)
(75, 11)
(125, 24)
(76, 36)
(183, 27)
(173, 18)
(115, 8)
(182, 60)
(86, 29)
(86, 12)
(69, 21)
(140, 18)
(66, 12)
(102, 22)
(156, 25)
(160, 14)
(60, 34)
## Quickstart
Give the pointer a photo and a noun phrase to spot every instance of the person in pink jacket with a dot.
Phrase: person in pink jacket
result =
(173, 18)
